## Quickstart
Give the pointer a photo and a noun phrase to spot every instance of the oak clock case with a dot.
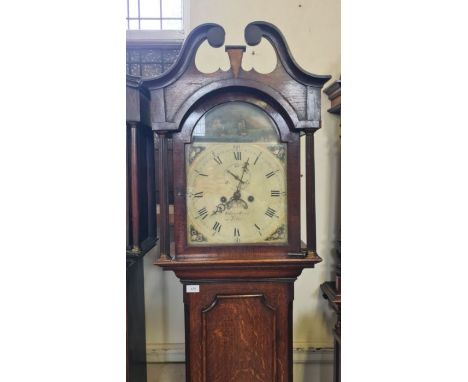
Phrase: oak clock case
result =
(239, 164)
(236, 244)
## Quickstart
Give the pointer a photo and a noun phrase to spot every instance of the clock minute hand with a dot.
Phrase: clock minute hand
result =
(237, 195)
(244, 169)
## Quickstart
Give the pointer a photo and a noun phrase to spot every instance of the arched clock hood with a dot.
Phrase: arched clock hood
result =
(176, 91)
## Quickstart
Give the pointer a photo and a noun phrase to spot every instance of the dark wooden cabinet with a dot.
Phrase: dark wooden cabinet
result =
(141, 221)
(141, 195)
(235, 243)
(332, 289)
(136, 337)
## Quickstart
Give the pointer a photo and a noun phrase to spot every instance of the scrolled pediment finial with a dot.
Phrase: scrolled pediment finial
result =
(215, 36)
(211, 32)
(253, 34)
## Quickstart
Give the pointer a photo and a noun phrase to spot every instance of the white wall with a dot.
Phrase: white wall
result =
(312, 30)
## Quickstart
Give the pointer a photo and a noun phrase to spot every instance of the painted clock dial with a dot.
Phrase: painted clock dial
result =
(236, 179)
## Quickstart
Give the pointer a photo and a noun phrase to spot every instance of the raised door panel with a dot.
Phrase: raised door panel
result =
(239, 332)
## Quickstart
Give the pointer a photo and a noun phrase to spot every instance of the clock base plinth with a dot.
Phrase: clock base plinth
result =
(238, 318)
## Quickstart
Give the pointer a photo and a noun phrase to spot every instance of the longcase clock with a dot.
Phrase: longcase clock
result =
(235, 242)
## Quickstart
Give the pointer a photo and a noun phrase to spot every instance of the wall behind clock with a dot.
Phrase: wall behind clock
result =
(312, 30)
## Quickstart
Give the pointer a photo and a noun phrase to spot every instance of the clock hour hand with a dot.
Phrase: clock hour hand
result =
(236, 177)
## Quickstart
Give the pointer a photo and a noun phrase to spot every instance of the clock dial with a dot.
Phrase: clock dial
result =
(236, 193)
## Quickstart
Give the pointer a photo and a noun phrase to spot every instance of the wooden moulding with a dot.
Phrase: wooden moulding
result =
(246, 270)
